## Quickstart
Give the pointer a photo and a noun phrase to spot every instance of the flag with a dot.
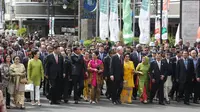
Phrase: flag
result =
(157, 28)
(144, 22)
(51, 26)
(177, 35)
(113, 22)
(198, 35)
(165, 19)
(127, 19)
(103, 19)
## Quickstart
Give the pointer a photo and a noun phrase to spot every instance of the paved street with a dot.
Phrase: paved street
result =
(106, 106)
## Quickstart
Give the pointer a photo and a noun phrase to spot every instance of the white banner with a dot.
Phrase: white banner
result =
(51, 26)
(157, 28)
(103, 19)
(177, 35)
(113, 22)
(165, 19)
(144, 22)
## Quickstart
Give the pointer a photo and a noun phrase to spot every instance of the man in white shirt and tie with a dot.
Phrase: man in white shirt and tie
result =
(157, 72)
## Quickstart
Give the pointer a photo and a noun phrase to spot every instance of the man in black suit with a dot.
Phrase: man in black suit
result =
(175, 85)
(54, 72)
(43, 55)
(106, 73)
(78, 71)
(185, 75)
(116, 75)
(102, 53)
(67, 72)
(158, 73)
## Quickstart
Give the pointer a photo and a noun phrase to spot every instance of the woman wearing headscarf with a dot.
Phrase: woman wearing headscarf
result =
(142, 71)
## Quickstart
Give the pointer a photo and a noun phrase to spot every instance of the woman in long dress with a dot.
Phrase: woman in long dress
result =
(96, 68)
(17, 82)
(126, 95)
(5, 78)
(86, 78)
(142, 70)
(35, 75)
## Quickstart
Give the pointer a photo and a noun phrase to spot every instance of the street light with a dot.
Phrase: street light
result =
(64, 6)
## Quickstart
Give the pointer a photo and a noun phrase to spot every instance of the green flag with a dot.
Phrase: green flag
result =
(127, 19)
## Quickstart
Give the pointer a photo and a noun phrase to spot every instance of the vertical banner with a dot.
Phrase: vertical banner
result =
(144, 22)
(157, 28)
(127, 19)
(51, 26)
(165, 19)
(113, 22)
(177, 35)
(103, 19)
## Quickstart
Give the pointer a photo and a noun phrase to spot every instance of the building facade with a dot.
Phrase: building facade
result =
(34, 15)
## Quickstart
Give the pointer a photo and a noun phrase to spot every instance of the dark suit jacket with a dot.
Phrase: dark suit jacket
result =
(78, 65)
(182, 74)
(42, 57)
(198, 68)
(106, 62)
(134, 57)
(117, 68)
(67, 67)
(155, 72)
(54, 70)
(104, 55)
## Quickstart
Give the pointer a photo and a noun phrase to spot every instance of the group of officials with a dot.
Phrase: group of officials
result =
(181, 65)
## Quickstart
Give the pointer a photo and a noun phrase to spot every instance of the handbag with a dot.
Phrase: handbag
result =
(23, 81)
(29, 87)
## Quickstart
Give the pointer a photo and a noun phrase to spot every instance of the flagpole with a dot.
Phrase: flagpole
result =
(120, 14)
(161, 8)
(97, 18)
(133, 1)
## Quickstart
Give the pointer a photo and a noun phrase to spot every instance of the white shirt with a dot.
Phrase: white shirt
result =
(118, 55)
(167, 61)
(159, 64)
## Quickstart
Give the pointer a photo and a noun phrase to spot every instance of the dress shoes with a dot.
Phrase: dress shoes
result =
(186, 103)
(161, 103)
(66, 101)
(119, 102)
(167, 102)
(75, 102)
(196, 102)
(54, 103)
(114, 103)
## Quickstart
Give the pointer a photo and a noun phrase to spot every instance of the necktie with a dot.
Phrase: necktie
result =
(121, 59)
(56, 57)
(185, 63)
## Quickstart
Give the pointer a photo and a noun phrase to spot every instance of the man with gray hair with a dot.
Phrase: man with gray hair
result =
(116, 75)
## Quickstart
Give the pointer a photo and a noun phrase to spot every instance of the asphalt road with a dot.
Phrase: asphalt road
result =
(106, 106)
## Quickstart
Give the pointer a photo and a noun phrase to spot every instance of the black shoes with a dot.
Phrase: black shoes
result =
(167, 102)
(55, 103)
(114, 103)
(66, 101)
(196, 102)
(161, 103)
(186, 103)
(75, 102)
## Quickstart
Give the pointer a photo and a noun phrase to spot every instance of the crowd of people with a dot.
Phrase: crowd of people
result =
(59, 67)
